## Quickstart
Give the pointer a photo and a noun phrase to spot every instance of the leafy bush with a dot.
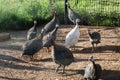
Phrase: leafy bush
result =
(20, 14)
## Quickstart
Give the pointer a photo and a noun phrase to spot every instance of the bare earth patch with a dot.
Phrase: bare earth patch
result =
(107, 55)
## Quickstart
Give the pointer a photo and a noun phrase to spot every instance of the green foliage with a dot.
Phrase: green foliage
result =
(20, 14)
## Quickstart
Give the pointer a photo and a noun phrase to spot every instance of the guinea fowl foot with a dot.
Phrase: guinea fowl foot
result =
(32, 58)
(49, 50)
(93, 50)
(57, 68)
(25, 58)
(63, 71)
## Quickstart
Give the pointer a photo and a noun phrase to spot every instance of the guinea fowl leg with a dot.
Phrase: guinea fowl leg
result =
(63, 71)
(93, 48)
(32, 57)
(57, 68)
(96, 46)
(74, 47)
(48, 50)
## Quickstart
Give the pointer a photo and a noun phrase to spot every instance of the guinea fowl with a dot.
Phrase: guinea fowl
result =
(72, 15)
(32, 32)
(73, 36)
(32, 46)
(92, 70)
(51, 25)
(95, 38)
(61, 56)
(48, 38)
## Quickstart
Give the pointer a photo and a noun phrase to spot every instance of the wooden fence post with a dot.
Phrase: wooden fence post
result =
(65, 12)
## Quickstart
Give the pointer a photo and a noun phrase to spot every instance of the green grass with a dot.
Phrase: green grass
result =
(19, 14)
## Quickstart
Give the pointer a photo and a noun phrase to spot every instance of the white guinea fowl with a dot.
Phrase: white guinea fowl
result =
(73, 36)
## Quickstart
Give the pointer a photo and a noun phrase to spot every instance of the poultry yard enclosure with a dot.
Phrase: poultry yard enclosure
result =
(107, 55)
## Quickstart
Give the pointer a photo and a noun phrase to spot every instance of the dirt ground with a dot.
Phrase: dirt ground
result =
(12, 67)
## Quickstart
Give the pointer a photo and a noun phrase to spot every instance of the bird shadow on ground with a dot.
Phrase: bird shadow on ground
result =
(75, 72)
(2, 77)
(13, 65)
(43, 60)
(7, 61)
(11, 47)
(78, 60)
(110, 75)
(100, 49)
(11, 58)
(70, 72)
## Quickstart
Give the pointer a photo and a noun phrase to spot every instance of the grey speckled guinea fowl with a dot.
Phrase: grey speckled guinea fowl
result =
(92, 70)
(95, 38)
(50, 25)
(32, 32)
(72, 15)
(61, 56)
(47, 39)
(32, 46)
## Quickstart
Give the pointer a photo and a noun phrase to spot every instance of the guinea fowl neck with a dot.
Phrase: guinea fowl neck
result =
(34, 24)
(89, 33)
(77, 25)
(55, 30)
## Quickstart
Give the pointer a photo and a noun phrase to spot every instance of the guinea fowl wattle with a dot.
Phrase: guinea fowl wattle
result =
(32, 32)
(92, 70)
(94, 38)
(72, 15)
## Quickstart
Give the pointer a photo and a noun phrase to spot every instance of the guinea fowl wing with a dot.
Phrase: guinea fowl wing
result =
(64, 52)
(32, 46)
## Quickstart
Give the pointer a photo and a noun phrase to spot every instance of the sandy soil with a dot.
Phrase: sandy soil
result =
(12, 67)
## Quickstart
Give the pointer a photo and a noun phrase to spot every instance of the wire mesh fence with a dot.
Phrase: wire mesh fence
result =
(101, 12)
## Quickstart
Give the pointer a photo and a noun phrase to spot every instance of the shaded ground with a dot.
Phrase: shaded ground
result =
(107, 55)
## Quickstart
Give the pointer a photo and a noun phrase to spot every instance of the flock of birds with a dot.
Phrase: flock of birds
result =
(61, 55)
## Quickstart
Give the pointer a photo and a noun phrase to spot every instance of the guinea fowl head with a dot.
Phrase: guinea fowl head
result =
(35, 22)
(53, 12)
(68, 5)
(77, 21)
(91, 58)
(88, 31)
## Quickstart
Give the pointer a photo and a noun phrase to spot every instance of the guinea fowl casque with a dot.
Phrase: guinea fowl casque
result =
(73, 36)
(48, 37)
(32, 46)
(92, 70)
(72, 15)
(32, 32)
(50, 25)
(95, 38)
(61, 56)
